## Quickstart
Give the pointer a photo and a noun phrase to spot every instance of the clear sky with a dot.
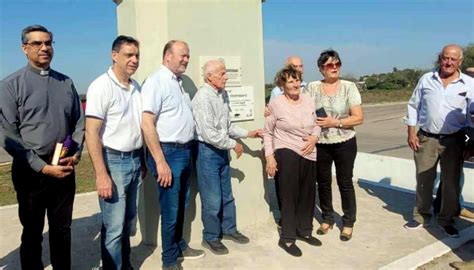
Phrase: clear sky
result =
(372, 36)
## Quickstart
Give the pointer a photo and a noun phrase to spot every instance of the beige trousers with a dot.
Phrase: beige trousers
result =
(448, 151)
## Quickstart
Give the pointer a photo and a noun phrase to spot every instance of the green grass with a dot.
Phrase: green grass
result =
(85, 178)
(7, 192)
(85, 181)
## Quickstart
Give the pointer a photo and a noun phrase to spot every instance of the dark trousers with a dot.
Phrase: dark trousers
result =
(343, 155)
(296, 190)
(37, 195)
(448, 152)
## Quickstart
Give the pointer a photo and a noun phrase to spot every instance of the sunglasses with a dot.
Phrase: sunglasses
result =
(39, 44)
(332, 65)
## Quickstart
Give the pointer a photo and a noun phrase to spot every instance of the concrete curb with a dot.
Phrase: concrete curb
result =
(432, 251)
(383, 104)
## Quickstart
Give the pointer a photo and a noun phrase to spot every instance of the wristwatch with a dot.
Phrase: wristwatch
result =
(340, 124)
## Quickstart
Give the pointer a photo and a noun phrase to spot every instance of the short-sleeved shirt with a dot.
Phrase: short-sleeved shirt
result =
(119, 107)
(337, 106)
(164, 96)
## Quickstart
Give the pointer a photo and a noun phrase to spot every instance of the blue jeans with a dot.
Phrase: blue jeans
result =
(215, 188)
(173, 200)
(119, 211)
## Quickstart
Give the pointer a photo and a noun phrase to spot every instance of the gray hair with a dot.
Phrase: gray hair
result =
(33, 28)
(459, 48)
(210, 67)
(440, 54)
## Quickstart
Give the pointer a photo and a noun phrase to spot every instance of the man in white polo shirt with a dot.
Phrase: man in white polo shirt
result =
(114, 141)
(168, 128)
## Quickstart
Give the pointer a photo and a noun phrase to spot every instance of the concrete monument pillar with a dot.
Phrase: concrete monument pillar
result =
(228, 29)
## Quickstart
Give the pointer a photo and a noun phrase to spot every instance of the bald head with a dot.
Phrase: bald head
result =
(453, 48)
(295, 62)
(450, 60)
(215, 74)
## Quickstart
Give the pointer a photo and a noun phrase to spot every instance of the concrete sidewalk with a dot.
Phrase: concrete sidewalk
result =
(379, 239)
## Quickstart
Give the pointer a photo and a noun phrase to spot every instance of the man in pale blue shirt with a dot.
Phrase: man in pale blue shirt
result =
(296, 63)
(441, 105)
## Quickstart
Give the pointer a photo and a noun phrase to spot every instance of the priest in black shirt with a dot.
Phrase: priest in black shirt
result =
(40, 107)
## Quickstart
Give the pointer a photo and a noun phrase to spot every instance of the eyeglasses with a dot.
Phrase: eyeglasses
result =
(38, 44)
(332, 65)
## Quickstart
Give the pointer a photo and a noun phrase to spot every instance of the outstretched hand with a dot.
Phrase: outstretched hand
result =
(258, 133)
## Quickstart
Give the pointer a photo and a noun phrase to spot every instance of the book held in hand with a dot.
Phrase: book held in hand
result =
(61, 150)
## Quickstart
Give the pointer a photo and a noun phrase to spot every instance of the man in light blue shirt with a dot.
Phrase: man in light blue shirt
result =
(296, 63)
(441, 106)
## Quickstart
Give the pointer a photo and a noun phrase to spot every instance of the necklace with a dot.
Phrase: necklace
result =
(330, 98)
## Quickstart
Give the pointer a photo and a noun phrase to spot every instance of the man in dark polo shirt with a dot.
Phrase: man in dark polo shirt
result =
(40, 107)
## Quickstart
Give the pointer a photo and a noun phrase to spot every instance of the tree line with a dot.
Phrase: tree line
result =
(398, 79)
(407, 78)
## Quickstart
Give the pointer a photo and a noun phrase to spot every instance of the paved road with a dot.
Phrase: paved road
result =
(379, 239)
(383, 132)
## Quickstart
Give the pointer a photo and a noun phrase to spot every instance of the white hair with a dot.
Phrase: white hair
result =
(210, 67)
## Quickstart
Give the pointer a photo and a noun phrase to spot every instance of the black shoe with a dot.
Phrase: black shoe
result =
(292, 249)
(310, 240)
(192, 254)
(236, 237)
(451, 231)
(344, 236)
(215, 247)
(173, 267)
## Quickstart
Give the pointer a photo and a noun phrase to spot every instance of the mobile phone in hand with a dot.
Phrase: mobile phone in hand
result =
(321, 112)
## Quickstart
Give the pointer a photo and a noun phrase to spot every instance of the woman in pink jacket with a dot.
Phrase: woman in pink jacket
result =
(290, 136)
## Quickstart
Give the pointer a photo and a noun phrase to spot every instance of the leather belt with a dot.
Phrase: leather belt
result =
(177, 145)
(438, 136)
(134, 153)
